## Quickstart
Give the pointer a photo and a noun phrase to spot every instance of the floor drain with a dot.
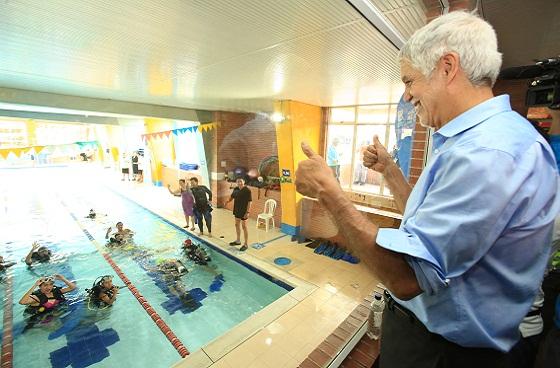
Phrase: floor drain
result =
(282, 261)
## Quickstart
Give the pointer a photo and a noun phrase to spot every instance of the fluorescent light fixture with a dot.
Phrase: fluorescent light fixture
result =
(56, 110)
(378, 20)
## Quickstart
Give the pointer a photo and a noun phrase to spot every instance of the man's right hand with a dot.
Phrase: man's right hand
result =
(376, 156)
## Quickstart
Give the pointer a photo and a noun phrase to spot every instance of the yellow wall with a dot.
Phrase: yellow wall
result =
(302, 122)
(31, 136)
(160, 148)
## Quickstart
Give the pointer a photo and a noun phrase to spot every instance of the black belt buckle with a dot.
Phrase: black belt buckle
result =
(392, 305)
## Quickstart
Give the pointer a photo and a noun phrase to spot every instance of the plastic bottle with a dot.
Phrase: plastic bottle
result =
(376, 316)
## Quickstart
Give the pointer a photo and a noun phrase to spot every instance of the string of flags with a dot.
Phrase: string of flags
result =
(18, 151)
(166, 133)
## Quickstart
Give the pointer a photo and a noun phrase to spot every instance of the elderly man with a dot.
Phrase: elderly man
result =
(466, 263)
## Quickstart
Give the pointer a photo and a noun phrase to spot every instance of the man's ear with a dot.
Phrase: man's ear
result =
(450, 65)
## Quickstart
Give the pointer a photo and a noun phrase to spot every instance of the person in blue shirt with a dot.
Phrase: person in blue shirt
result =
(333, 158)
(465, 265)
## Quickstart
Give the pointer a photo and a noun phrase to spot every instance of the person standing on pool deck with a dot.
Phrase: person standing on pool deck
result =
(241, 197)
(187, 201)
(202, 208)
(465, 264)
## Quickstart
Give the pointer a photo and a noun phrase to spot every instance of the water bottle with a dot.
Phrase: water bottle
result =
(376, 316)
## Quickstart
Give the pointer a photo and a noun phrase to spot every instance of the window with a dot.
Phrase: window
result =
(350, 131)
(13, 134)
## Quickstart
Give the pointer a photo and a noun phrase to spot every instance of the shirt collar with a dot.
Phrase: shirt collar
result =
(475, 115)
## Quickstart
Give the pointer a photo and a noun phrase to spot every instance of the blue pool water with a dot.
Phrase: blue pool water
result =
(50, 205)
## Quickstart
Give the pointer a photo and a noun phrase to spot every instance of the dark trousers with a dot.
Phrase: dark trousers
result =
(523, 354)
(406, 342)
(207, 214)
(551, 289)
(549, 355)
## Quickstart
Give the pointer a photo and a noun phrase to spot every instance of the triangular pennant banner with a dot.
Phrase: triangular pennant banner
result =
(38, 149)
(17, 151)
(4, 153)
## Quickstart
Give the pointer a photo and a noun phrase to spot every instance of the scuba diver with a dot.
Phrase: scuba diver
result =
(102, 293)
(38, 253)
(126, 233)
(48, 296)
(42, 304)
(91, 214)
(117, 240)
(4, 265)
(172, 268)
(195, 253)
(171, 271)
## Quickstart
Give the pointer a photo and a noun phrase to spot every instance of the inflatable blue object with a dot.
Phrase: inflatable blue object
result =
(187, 167)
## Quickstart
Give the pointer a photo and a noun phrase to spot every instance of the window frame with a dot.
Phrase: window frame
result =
(355, 194)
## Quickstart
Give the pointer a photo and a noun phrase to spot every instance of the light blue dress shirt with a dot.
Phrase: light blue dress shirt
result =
(477, 226)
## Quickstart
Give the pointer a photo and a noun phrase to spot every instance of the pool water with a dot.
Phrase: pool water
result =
(49, 206)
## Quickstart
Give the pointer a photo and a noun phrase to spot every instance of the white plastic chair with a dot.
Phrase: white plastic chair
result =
(268, 214)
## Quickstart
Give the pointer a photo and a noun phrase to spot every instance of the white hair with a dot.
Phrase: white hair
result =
(471, 37)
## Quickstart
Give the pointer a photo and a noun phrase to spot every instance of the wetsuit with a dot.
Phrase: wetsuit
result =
(197, 255)
(35, 257)
(45, 303)
(94, 296)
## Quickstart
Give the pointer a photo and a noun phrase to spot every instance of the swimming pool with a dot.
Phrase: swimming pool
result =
(50, 205)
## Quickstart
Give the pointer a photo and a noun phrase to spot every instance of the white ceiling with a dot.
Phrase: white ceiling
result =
(208, 54)
(233, 54)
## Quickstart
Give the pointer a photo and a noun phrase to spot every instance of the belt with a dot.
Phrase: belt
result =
(393, 306)
(536, 312)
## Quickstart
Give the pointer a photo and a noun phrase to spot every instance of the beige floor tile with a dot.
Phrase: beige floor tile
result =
(275, 357)
(259, 364)
(221, 364)
(291, 363)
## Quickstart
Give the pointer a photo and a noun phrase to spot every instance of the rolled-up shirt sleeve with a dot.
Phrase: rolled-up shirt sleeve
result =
(428, 273)
(464, 210)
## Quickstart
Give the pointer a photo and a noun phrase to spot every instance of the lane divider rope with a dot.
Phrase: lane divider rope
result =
(7, 332)
(160, 323)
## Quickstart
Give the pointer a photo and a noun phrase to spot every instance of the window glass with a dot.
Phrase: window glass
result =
(364, 180)
(343, 115)
(376, 114)
(340, 145)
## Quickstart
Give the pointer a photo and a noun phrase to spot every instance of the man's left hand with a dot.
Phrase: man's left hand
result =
(313, 175)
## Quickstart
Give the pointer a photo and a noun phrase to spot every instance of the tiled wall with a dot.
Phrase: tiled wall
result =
(240, 140)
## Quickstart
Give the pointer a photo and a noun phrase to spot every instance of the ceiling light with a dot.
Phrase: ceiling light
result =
(277, 117)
